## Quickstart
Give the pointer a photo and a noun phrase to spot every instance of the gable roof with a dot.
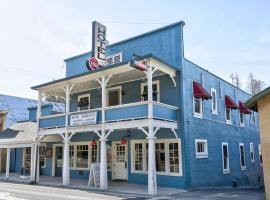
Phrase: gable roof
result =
(252, 102)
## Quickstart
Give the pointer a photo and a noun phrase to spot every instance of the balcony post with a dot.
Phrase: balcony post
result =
(152, 177)
(103, 157)
(39, 102)
(7, 163)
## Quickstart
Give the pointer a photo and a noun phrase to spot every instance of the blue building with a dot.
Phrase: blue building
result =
(189, 130)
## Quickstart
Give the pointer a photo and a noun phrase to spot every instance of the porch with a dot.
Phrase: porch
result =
(82, 184)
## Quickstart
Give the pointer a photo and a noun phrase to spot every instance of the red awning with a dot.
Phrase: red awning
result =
(243, 108)
(230, 103)
(199, 91)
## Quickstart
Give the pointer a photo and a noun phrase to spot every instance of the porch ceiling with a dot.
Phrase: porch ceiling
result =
(120, 74)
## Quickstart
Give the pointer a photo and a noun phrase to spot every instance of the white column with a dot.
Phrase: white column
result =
(7, 163)
(32, 168)
(37, 172)
(103, 157)
(65, 172)
(152, 177)
(38, 109)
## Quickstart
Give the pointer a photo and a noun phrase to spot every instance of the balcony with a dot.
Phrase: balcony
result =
(125, 112)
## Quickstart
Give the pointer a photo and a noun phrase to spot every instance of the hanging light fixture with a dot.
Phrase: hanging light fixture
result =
(123, 141)
(94, 142)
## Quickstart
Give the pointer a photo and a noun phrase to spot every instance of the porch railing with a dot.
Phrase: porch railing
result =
(131, 111)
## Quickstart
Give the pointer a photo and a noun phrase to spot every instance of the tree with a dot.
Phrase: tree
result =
(55, 99)
(235, 80)
(254, 85)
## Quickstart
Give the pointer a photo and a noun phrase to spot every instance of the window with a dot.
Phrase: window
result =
(84, 102)
(138, 156)
(252, 158)
(113, 59)
(214, 101)
(156, 91)
(42, 155)
(242, 156)
(82, 156)
(167, 156)
(197, 107)
(241, 118)
(260, 154)
(228, 115)
(252, 118)
(71, 156)
(114, 96)
(201, 148)
(225, 158)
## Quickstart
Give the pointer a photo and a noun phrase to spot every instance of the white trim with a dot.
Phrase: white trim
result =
(195, 114)
(82, 96)
(225, 171)
(228, 121)
(114, 144)
(214, 110)
(251, 150)
(167, 164)
(117, 88)
(201, 154)
(243, 167)
(260, 154)
(241, 124)
(252, 118)
(153, 83)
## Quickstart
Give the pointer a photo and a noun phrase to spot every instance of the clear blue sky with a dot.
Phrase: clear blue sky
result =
(221, 36)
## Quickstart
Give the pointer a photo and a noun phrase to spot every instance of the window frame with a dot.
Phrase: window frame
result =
(167, 158)
(204, 154)
(214, 110)
(119, 88)
(241, 124)
(83, 96)
(251, 150)
(260, 154)
(113, 58)
(195, 114)
(153, 83)
(228, 121)
(45, 158)
(252, 118)
(225, 171)
(243, 167)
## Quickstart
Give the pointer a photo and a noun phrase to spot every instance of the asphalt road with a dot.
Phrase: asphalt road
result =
(12, 191)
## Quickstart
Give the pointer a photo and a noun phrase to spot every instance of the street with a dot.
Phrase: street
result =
(12, 191)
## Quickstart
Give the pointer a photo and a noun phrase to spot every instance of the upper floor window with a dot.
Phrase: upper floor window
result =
(201, 148)
(214, 101)
(156, 91)
(197, 107)
(228, 115)
(242, 156)
(114, 96)
(252, 157)
(260, 154)
(241, 119)
(252, 118)
(84, 102)
(113, 59)
(225, 158)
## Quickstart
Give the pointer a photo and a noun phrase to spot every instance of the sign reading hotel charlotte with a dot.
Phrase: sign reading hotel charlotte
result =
(83, 119)
(98, 46)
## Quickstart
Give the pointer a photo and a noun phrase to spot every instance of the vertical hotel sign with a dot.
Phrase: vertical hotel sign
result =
(98, 45)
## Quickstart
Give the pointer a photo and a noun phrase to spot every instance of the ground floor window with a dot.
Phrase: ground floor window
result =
(225, 158)
(201, 148)
(242, 156)
(167, 154)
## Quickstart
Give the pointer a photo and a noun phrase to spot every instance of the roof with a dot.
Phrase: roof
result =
(18, 134)
(252, 102)
(133, 38)
(101, 69)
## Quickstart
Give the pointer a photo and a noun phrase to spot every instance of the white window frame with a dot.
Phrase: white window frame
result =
(214, 110)
(195, 114)
(201, 154)
(167, 158)
(252, 118)
(251, 150)
(153, 83)
(243, 167)
(225, 171)
(82, 96)
(113, 57)
(228, 121)
(242, 124)
(45, 158)
(260, 154)
(119, 95)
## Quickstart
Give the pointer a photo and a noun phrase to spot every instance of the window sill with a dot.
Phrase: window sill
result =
(242, 125)
(228, 122)
(214, 112)
(252, 161)
(226, 171)
(197, 115)
(201, 156)
(243, 168)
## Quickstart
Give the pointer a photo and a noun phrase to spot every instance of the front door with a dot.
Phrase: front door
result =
(120, 168)
(58, 161)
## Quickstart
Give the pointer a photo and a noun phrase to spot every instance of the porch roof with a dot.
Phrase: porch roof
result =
(119, 68)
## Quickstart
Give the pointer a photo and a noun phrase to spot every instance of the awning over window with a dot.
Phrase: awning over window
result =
(243, 108)
(199, 91)
(230, 103)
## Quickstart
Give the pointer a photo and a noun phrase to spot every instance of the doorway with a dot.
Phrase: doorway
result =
(120, 161)
(58, 161)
